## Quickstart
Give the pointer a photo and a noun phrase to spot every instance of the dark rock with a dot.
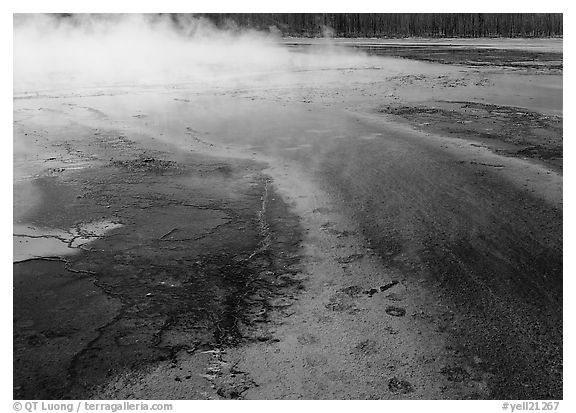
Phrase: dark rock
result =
(395, 311)
(371, 292)
(388, 286)
(398, 386)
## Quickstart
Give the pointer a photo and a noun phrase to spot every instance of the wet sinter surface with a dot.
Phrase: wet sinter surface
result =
(288, 221)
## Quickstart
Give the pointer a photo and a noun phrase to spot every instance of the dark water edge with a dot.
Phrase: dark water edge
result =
(457, 55)
(137, 296)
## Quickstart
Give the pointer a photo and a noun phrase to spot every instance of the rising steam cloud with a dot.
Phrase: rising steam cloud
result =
(52, 52)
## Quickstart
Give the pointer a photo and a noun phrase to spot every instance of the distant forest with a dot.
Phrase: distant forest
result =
(398, 24)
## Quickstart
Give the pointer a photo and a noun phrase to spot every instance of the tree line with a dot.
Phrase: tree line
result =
(398, 24)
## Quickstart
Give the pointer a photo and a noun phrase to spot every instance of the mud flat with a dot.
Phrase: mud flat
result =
(383, 228)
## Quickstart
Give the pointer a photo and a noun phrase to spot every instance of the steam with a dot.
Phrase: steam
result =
(53, 52)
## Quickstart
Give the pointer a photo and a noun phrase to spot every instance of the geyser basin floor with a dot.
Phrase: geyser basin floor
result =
(176, 275)
(283, 237)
